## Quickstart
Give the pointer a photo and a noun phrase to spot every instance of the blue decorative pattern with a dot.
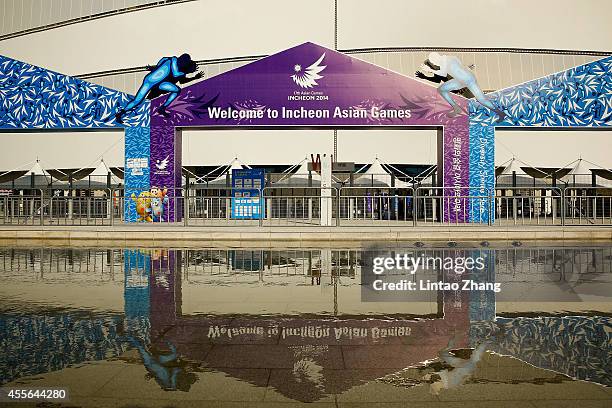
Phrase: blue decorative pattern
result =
(482, 172)
(136, 170)
(574, 345)
(32, 345)
(578, 97)
(35, 98)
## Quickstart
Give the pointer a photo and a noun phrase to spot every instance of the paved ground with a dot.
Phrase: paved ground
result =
(179, 235)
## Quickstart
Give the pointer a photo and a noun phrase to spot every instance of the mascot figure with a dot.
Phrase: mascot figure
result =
(159, 200)
(143, 206)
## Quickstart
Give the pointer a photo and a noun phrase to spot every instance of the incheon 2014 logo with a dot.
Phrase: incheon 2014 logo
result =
(307, 78)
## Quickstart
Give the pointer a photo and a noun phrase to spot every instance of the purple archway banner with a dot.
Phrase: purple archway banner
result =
(313, 86)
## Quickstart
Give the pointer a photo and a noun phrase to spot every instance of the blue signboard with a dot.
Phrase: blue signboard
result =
(246, 193)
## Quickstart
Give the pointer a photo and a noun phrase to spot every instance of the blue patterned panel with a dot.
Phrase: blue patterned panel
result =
(578, 97)
(136, 170)
(35, 98)
(482, 172)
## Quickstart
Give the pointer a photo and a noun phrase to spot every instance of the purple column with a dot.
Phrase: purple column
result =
(456, 151)
(164, 283)
(165, 179)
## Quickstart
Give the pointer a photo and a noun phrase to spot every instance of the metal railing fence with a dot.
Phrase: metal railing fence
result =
(446, 206)
(221, 206)
(313, 206)
(23, 209)
(528, 206)
(316, 206)
(584, 206)
(369, 206)
(79, 211)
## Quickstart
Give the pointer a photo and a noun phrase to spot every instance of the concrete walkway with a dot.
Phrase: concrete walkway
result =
(155, 235)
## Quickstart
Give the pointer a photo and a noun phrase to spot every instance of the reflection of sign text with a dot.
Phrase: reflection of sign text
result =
(310, 332)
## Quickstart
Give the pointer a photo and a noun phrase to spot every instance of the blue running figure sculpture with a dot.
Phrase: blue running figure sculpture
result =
(161, 80)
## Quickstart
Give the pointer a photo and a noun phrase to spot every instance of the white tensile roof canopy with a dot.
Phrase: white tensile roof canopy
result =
(581, 175)
(522, 178)
(101, 172)
(300, 176)
(37, 170)
(235, 164)
(378, 176)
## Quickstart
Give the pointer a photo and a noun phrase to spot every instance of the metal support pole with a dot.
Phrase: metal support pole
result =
(186, 203)
(337, 195)
(563, 207)
(262, 207)
(414, 207)
(594, 195)
(70, 200)
(553, 206)
(309, 209)
(42, 220)
(335, 145)
(336, 25)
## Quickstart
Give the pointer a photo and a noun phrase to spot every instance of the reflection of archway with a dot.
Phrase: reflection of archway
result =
(304, 358)
(79, 337)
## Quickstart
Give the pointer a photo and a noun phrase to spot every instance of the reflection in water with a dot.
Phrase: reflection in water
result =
(291, 320)
(164, 366)
(580, 347)
(460, 369)
(33, 344)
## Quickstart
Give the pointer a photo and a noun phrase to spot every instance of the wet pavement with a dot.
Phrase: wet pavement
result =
(250, 327)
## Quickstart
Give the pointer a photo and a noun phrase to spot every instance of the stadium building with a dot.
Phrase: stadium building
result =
(110, 43)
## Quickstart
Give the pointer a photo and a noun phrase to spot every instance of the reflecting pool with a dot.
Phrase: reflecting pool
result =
(255, 327)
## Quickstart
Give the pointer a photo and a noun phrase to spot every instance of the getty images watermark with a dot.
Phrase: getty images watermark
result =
(414, 276)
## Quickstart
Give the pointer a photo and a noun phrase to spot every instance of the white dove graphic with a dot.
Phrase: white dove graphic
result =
(161, 165)
(308, 77)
